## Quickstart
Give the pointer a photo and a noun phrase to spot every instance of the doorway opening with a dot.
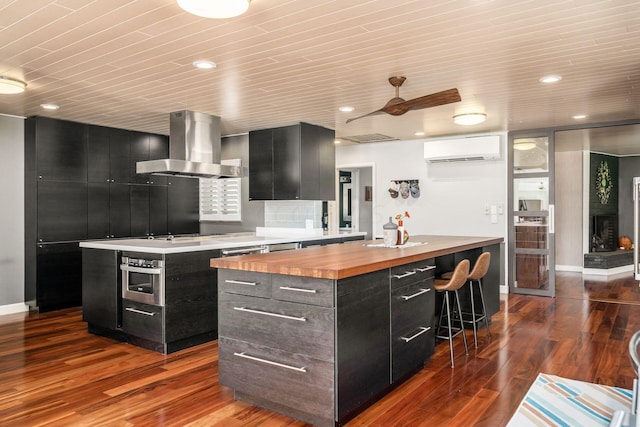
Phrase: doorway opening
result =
(355, 199)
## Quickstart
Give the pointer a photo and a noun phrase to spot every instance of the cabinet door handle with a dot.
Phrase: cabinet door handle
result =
(240, 282)
(135, 310)
(268, 313)
(407, 274)
(269, 362)
(422, 270)
(288, 288)
(417, 334)
(420, 292)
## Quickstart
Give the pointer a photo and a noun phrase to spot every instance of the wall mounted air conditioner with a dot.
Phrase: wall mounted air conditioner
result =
(462, 149)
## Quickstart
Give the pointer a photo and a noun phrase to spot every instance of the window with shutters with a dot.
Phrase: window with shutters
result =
(220, 199)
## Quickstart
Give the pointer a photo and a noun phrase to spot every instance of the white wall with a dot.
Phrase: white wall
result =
(452, 195)
(12, 214)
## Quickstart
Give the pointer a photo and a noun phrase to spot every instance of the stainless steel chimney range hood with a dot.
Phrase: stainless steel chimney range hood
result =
(194, 149)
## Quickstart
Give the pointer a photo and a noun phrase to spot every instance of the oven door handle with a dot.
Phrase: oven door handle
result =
(141, 270)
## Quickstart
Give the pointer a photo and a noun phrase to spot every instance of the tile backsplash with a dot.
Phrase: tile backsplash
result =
(292, 213)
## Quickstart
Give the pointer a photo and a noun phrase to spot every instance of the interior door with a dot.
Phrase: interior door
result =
(532, 220)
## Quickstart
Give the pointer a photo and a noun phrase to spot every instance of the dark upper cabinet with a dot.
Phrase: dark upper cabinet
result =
(139, 203)
(158, 209)
(61, 149)
(98, 226)
(61, 211)
(261, 164)
(108, 155)
(182, 203)
(119, 210)
(147, 147)
(291, 163)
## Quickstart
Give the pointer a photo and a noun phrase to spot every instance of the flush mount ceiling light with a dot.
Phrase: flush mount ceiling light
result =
(10, 86)
(469, 119)
(552, 78)
(204, 65)
(50, 106)
(218, 9)
(579, 117)
(346, 109)
(524, 145)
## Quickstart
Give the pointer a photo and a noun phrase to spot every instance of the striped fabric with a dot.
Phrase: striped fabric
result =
(557, 401)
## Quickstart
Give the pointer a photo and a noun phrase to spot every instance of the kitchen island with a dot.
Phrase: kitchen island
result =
(161, 293)
(321, 333)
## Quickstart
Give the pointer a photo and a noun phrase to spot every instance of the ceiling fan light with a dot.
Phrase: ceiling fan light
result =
(10, 86)
(524, 145)
(469, 119)
(218, 9)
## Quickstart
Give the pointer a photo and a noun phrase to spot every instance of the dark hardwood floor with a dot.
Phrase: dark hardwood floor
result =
(54, 373)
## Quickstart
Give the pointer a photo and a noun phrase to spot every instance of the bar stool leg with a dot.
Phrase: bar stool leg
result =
(446, 297)
(484, 309)
(464, 336)
(473, 314)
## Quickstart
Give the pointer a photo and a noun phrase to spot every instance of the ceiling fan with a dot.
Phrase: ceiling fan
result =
(398, 106)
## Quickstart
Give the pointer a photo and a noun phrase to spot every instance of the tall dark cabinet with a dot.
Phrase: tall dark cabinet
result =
(80, 184)
(292, 163)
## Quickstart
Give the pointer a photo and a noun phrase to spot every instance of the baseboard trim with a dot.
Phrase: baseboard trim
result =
(573, 268)
(607, 272)
(13, 308)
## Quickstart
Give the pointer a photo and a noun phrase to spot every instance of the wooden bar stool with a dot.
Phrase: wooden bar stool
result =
(457, 280)
(480, 269)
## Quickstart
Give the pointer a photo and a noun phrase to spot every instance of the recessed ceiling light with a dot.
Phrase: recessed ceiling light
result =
(579, 116)
(524, 144)
(10, 86)
(50, 106)
(215, 9)
(346, 109)
(419, 133)
(468, 119)
(552, 78)
(204, 65)
(337, 141)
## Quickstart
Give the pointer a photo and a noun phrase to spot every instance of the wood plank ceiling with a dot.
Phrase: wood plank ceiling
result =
(128, 63)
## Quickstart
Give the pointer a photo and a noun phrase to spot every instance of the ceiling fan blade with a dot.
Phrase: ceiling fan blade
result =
(435, 99)
(366, 115)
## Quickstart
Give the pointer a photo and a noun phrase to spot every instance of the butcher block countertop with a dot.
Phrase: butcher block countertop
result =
(352, 258)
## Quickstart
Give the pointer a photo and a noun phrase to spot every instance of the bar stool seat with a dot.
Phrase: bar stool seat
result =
(457, 280)
(475, 277)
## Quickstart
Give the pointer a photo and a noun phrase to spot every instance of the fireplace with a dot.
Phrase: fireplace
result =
(604, 229)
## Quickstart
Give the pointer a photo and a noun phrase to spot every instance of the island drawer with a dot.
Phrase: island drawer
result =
(143, 320)
(293, 327)
(406, 274)
(412, 326)
(293, 380)
(244, 283)
(305, 290)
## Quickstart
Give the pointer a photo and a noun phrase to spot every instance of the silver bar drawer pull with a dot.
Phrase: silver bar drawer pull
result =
(417, 334)
(240, 282)
(407, 274)
(268, 313)
(288, 288)
(422, 270)
(135, 310)
(269, 362)
(420, 292)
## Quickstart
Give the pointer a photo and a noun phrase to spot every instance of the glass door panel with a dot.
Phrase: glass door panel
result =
(531, 225)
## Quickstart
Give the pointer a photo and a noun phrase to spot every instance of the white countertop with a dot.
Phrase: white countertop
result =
(202, 243)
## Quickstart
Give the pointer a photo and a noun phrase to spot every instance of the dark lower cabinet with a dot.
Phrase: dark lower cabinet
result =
(101, 288)
(58, 278)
